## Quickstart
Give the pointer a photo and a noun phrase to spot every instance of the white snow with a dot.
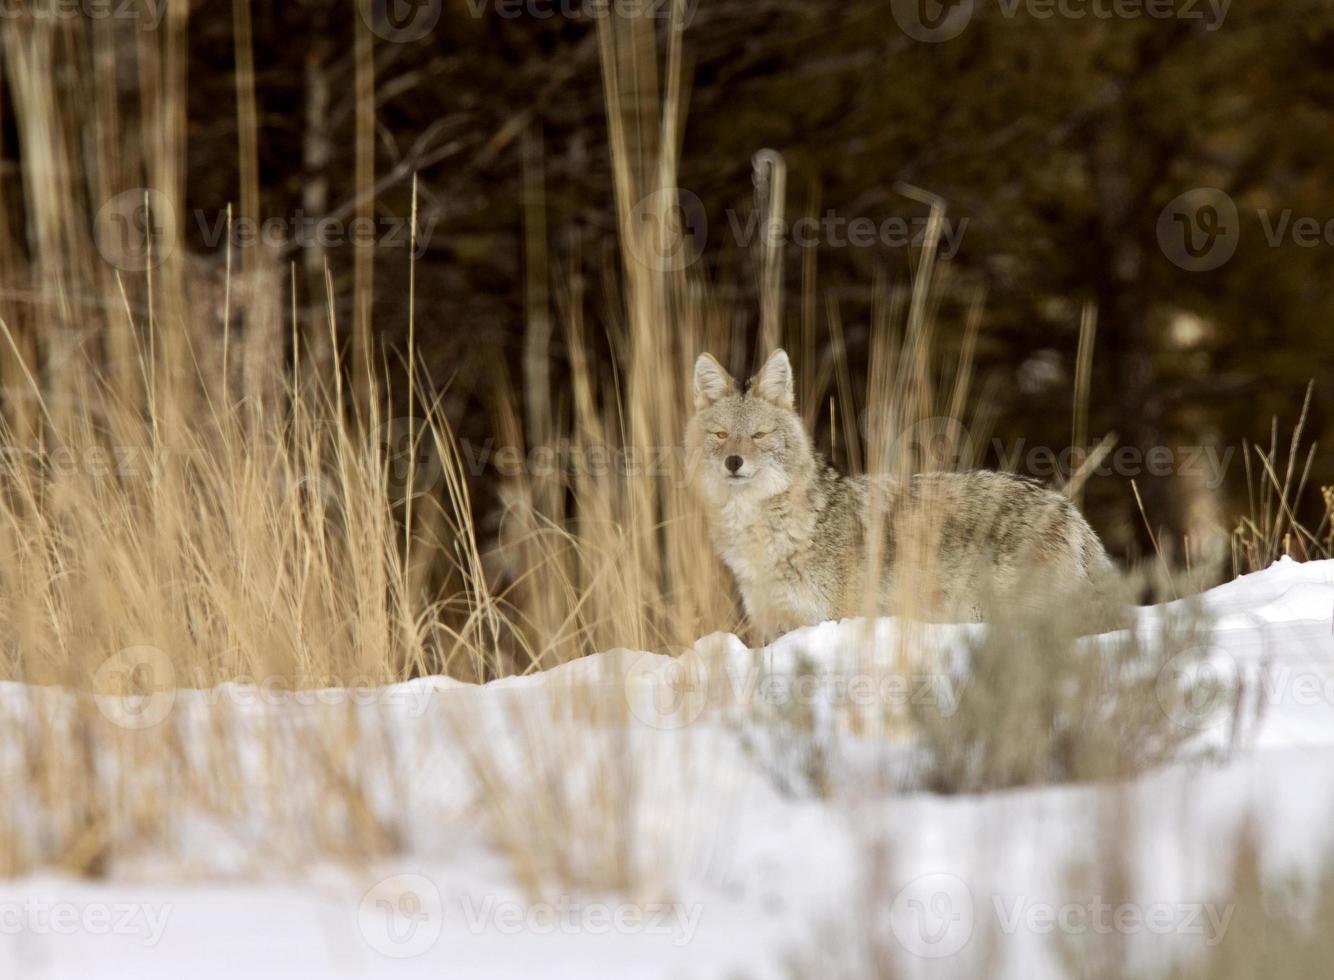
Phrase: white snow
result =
(743, 875)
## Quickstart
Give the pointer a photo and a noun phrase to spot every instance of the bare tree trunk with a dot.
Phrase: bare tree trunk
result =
(1124, 307)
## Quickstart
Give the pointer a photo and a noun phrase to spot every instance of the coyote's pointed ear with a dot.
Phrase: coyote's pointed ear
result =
(712, 382)
(774, 382)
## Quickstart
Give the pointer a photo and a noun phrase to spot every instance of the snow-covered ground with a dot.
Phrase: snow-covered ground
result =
(744, 877)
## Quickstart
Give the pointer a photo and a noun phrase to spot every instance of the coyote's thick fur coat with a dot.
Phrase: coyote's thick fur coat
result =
(795, 532)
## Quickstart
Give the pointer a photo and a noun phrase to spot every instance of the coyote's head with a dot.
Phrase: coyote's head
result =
(747, 442)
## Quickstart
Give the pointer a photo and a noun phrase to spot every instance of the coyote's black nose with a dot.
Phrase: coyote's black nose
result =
(733, 463)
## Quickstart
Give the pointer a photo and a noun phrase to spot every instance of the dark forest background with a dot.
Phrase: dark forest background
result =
(1062, 146)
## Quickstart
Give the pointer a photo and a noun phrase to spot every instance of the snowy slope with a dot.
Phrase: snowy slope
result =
(753, 881)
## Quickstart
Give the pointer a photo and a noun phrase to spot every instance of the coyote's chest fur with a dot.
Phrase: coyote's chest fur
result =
(770, 547)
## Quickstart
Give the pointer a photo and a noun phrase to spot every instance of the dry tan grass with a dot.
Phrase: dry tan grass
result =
(1278, 492)
(178, 510)
(192, 494)
(1281, 931)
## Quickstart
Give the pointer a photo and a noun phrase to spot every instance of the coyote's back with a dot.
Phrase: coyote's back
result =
(800, 538)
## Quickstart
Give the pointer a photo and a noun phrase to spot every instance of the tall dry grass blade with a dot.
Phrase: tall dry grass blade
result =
(1153, 538)
(770, 179)
(1088, 327)
(363, 271)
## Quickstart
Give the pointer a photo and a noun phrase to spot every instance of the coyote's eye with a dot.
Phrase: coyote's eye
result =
(758, 435)
(719, 434)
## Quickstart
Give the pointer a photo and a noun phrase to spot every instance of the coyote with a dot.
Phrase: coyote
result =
(794, 532)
